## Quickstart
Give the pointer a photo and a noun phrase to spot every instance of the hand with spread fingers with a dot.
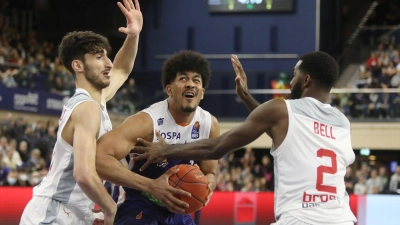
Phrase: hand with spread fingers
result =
(152, 151)
(133, 15)
(241, 78)
(162, 191)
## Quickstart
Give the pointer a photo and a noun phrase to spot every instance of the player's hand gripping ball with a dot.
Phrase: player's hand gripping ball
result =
(190, 178)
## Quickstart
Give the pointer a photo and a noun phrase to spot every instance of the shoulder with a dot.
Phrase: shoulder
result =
(87, 110)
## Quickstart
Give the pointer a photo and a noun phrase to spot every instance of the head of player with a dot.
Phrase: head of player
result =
(185, 76)
(84, 54)
(314, 76)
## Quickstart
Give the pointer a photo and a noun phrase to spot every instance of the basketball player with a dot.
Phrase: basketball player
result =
(180, 120)
(67, 193)
(311, 144)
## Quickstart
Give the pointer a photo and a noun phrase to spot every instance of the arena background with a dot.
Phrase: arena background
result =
(268, 36)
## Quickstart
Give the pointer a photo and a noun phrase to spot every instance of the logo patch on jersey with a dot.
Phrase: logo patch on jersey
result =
(160, 121)
(196, 130)
(164, 163)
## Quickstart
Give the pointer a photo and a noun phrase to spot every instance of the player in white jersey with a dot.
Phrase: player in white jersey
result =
(179, 120)
(311, 144)
(67, 193)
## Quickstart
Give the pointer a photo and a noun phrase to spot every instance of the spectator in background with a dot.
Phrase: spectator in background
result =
(135, 95)
(35, 178)
(349, 180)
(35, 162)
(360, 188)
(12, 178)
(4, 146)
(4, 170)
(394, 186)
(23, 151)
(12, 160)
(373, 182)
(383, 179)
(23, 176)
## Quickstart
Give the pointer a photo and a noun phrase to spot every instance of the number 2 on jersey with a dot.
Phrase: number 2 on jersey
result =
(326, 169)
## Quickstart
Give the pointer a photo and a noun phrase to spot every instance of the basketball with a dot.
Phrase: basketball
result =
(191, 179)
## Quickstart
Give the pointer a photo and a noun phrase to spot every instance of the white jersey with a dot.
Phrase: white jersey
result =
(59, 184)
(311, 162)
(173, 133)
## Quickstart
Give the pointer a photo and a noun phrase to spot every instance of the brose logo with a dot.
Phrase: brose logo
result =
(55, 104)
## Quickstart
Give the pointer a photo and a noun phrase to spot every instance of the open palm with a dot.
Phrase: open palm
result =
(133, 15)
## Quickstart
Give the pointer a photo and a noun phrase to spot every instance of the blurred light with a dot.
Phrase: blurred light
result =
(250, 6)
(393, 166)
(372, 163)
(365, 151)
(372, 157)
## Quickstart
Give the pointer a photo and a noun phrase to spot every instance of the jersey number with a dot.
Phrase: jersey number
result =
(326, 169)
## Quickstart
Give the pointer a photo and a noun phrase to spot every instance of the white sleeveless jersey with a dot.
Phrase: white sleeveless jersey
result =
(199, 128)
(173, 133)
(311, 162)
(59, 184)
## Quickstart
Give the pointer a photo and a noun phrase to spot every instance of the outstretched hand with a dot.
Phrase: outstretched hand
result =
(150, 150)
(241, 78)
(133, 15)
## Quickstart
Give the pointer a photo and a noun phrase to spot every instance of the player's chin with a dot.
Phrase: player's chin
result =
(189, 109)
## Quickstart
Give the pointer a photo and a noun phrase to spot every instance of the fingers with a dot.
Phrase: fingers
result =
(177, 191)
(127, 4)
(172, 207)
(131, 4)
(137, 5)
(123, 9)
(171, 172)
(159, 137)
(145, 165)
(123, 30)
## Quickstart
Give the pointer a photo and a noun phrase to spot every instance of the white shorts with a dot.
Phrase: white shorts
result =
(42, 210)
(286, 219)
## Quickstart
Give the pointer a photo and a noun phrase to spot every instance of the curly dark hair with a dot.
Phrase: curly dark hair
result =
(76, 44)
(184, 61)
(321, 67)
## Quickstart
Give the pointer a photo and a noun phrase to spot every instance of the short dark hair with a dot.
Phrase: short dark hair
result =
(76, 44)
(184, 61)
(321, 67)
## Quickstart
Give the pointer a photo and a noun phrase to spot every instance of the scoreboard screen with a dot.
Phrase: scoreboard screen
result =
(249, 6)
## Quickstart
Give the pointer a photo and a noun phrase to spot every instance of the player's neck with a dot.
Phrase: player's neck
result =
(181, 117)
(95, 93)
(322, 97)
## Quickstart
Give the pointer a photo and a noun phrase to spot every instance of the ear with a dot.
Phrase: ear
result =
(168, 88)
(307, 81)
(202, 93)
(77, 66)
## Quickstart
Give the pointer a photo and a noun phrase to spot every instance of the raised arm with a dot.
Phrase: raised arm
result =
(125, 58)
(86, 122)
(269, 117)
(116, 144)
(241, 85)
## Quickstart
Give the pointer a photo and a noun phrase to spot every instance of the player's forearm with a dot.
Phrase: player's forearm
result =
(91, 185)
(110, 169)
(211, 178)
(125, 58)
(199, 150)
(249, 101)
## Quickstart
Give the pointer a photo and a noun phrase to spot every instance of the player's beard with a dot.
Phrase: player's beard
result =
(188, 109)
(95, 79)
(296, 91)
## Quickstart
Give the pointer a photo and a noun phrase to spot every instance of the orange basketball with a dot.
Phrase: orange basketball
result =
(191, 179)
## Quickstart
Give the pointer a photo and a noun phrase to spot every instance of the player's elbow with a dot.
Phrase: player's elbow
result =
(82, 177)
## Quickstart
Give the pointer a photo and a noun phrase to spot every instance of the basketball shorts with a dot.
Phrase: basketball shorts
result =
(139, 212)
(287, 219)
(42, 210)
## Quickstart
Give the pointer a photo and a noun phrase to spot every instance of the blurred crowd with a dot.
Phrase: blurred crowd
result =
(380, 71)
(367, 180)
